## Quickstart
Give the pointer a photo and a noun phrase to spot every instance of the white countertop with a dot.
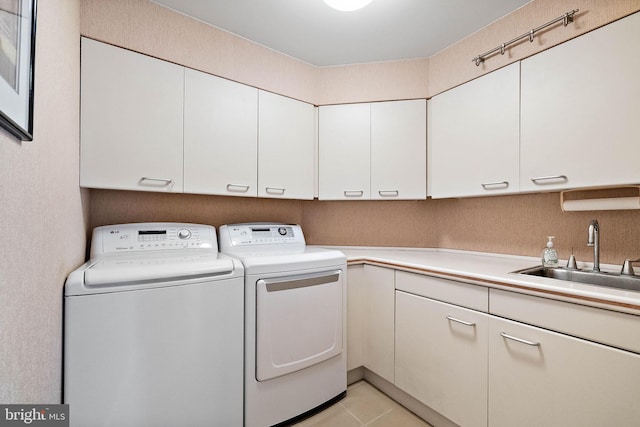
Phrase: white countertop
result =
(494, 271)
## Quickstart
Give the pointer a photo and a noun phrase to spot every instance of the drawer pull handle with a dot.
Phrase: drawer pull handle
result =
(541, 179)
(495, 185)
(169, 183)
(353, 193)
(520, 340)
(388, 193)
(274, 190)
(453, 319)
(236, 188)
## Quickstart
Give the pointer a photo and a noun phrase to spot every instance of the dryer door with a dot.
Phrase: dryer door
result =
(298, 322)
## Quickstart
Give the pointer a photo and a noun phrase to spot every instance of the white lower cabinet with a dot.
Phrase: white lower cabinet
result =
(542, 378)
(441, 357)
(355, 316)
(379, 308)
(441, 342)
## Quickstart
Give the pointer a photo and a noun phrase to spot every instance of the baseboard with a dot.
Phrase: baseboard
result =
(355, 375)
(412, 404)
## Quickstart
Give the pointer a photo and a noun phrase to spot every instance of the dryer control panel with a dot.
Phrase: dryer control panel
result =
(152, 237)
(235, 235)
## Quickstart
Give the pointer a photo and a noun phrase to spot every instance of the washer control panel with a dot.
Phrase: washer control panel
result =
(152, 237)
(260, 234)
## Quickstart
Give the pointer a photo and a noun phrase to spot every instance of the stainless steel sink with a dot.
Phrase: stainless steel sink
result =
(610, 280)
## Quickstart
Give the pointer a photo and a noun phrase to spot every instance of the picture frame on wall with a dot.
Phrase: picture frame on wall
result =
(17, 63)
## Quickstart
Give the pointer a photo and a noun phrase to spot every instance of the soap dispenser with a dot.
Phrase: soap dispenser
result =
(549, 254)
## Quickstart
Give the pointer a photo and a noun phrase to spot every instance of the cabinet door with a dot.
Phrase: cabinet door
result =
(344, 147)
(399, 150)
(220, 136)
(441, 357)
(379, 306)
(285, 147)
(580, 111)
(474, 136)
(355, 316)
(541, 378)
(131, 120)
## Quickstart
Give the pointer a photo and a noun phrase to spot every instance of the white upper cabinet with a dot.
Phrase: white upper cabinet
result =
(344, 134)
(580, 111)
(220, 136)
(372, 151)
(152, 125)
(474, 137)
(285, 147)
(399, 150)
(131, 120)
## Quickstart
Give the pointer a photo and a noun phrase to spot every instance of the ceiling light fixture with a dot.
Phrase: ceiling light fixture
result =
(347, 5)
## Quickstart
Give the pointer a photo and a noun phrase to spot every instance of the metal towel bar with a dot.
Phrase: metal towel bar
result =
(566, 19)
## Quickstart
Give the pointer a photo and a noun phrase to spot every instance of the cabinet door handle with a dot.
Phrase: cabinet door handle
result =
(353, 193)
(453, 319)
(497, 185)
(541, 180)
(520, 340)
(388, 193)
(274, 190)
(237, 188)
(169, 183)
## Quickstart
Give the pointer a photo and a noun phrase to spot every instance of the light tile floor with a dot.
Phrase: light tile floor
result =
(364, 405)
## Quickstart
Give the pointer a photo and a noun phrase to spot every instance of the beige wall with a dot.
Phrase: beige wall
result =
(453, 65)
(43, 220)
(119, 207)
(507, 224)
(515, 224)
(148, 28)
(372, 82)
(145, 27)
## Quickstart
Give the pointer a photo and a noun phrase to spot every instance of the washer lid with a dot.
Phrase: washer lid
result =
(109, 271)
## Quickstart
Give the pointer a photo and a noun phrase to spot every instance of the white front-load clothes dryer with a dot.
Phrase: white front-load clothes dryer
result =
(153, 330)
(295, 315)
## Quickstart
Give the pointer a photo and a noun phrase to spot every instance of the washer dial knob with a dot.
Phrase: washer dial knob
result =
(184, 234)
(282, 231)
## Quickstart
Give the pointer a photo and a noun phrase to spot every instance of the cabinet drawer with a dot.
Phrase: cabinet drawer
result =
(462, 294)
(595, 324)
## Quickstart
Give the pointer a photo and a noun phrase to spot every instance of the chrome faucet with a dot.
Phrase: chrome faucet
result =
(594, 240)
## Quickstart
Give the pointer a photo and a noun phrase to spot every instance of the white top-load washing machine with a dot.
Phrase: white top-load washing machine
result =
(153, 330)
(295, 314)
